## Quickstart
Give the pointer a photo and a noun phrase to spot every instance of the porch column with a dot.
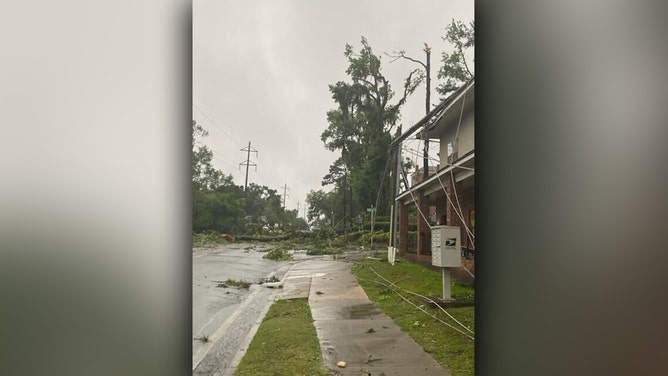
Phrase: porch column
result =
(441, 209)
(422, 226)
(403, 228)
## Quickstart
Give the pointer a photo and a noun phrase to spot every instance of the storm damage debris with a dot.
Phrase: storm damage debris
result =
(233, 283)
(228, 237)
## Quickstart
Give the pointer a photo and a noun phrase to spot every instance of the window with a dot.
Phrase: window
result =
(452, 151)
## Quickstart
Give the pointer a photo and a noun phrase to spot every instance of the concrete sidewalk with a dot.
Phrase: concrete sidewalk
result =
(351, 328)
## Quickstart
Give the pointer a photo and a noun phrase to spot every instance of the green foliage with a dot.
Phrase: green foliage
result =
(326, 241)
(278, 254)
(380, 239)
(233, 282)
(286, 343)
(455, 69)
(221, 206)
(217, 211)
(324, 251)
(354, 237)
(325, 233)
(321, 204)
(207, 239)
(360, 128)
(263, 203)
(380, 226)
(204, 175)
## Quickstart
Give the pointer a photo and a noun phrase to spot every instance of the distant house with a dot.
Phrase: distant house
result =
(446, 197)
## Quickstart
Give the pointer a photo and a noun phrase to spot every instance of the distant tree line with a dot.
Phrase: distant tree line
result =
(222, 206)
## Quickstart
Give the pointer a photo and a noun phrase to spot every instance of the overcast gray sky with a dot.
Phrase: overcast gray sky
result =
(261, 71)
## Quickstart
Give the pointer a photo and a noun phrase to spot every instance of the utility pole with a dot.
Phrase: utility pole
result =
(394, 222)
(371, 210)
(395, 211)
(427, 68)
(285, 210)
(248, 163)
(425, 160)
(285, 188)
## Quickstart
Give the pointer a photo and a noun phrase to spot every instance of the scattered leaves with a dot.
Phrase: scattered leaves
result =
(203, 338)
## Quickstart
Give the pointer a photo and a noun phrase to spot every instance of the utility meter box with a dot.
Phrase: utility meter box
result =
(446, 246)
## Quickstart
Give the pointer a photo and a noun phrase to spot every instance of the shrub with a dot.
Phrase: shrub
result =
(380, 239)
(207, 239)
(324, 251)
(326, 233)
(278, 255)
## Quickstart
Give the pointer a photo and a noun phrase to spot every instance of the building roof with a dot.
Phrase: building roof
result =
(434, 182)
(462, 102)
(435, 116)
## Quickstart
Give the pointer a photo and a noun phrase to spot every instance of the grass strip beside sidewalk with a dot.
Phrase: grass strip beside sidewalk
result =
(286, 343)
(449, 348)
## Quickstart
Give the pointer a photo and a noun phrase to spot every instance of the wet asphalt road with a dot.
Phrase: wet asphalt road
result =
(229, 317)
(226, 315)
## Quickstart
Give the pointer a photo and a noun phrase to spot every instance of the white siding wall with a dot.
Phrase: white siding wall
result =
(466, 137)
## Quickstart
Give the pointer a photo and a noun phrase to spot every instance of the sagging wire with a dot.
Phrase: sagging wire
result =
(417, 154)
(457, 209)
(213, 122)
(382, 179)
(410, 191)
(460, 215)
(227, 160)
(469, 233)
(452, 177)
(416, 162)
(434, 317)
(468, 271)
(425, 298)
(423, 310)
(429, 314)
(461, 212)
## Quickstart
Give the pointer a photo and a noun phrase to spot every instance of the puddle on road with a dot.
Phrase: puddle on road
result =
(360, 311)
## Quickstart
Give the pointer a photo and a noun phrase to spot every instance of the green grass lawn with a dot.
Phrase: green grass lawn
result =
(285, 344)
(451, 349)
